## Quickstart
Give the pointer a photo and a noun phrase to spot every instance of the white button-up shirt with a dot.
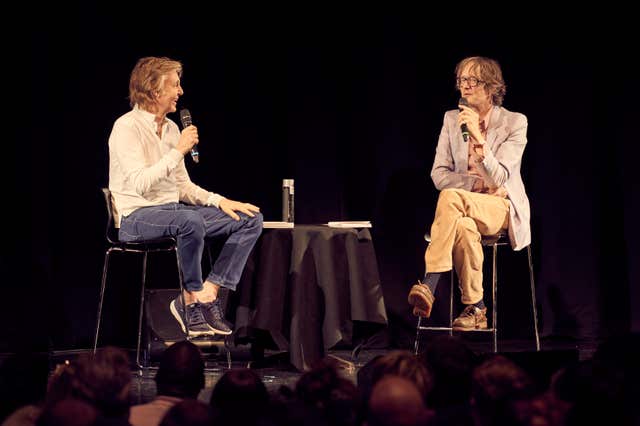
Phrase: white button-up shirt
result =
(146, 169)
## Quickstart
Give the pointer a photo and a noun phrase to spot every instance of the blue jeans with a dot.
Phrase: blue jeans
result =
(191, 225)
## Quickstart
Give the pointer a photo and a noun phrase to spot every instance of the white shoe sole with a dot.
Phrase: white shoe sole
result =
(224, 333)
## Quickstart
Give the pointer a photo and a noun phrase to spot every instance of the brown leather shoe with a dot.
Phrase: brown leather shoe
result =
(422, 299)
(471, 318)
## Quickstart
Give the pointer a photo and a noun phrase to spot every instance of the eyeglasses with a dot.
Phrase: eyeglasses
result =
(471, 81)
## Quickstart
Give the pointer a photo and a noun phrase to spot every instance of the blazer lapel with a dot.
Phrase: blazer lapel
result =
(496, 131)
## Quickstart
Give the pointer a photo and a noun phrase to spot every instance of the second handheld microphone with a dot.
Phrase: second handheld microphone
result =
(463, 128)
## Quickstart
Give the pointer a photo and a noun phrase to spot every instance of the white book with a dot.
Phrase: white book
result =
(350, 224)
(277, 224)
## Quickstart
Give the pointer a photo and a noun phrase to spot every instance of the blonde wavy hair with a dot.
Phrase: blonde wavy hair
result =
(147, 79)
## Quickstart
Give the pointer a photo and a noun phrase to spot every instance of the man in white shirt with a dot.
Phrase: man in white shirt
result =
(154, 197)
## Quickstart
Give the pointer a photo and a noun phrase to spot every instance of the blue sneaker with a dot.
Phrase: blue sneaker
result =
(214, 316)
(197, 324)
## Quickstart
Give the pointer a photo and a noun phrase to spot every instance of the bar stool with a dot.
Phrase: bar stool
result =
(168, 244)
(492, 242)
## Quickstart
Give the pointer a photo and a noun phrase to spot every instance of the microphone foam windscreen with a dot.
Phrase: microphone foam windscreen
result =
(185, 117)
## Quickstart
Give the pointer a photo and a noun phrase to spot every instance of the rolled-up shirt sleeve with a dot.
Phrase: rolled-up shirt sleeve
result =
(191, 193)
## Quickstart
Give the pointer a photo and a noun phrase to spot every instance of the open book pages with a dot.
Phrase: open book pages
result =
(350, 224)
(277, 224)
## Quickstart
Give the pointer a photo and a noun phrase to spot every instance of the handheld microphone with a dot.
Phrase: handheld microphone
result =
(463, 127)
(185, 118)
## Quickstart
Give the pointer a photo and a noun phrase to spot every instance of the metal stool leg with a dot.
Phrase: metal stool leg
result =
(184, 303)
(451, 280)
(533, 299)
(416, 344)
(228, 354)
(141, 309)
(494, 287)
(105, 268)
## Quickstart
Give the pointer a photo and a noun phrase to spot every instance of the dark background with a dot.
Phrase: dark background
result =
(349, 103)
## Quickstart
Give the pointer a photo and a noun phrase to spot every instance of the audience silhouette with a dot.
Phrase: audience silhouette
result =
(447, 384)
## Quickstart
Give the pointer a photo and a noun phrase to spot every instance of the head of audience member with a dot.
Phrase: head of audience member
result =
(594, 391)
(60, 385)
(286, 409)
(450, 361)
(104, 380)
(239, 396)
(620, 354)
(337, 398)
(189, 412)
(400, 363)
(396, 401)
(68, 412)
(181, 371)
(501, 391)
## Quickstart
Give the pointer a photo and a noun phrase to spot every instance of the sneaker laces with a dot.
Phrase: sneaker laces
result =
(214, 308)
(194, 315)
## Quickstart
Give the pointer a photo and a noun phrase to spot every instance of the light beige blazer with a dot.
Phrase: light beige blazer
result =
(506, 139)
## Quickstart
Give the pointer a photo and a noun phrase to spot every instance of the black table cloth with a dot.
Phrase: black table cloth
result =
(307, 289)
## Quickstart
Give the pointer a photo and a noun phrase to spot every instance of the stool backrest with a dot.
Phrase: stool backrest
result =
(111, 232)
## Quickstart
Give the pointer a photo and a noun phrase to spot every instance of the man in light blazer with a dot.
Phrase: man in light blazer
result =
(477, 170)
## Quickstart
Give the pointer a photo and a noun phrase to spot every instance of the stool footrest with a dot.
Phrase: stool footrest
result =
(423, 328)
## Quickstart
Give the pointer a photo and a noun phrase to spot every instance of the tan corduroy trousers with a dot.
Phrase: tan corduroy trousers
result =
(460, 221)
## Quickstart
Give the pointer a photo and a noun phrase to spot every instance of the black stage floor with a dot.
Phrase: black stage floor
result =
(276, 371)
